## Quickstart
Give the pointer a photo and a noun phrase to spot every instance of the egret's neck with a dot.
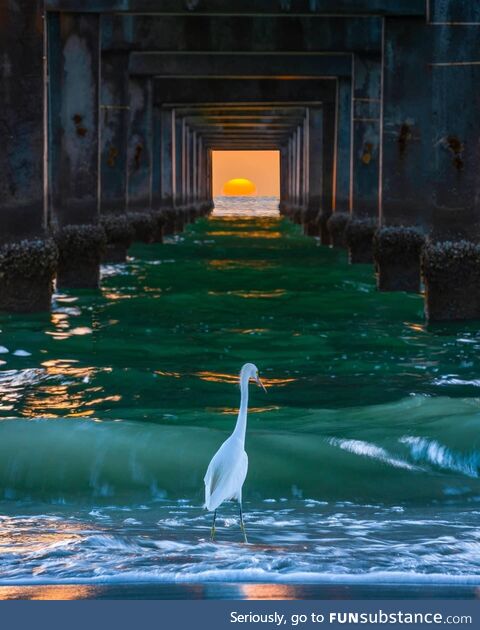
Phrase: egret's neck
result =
(241, 425)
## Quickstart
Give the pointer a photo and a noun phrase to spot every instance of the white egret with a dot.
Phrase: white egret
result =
(228, 468)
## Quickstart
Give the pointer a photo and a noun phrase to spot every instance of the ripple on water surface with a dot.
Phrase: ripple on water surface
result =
(112, 405)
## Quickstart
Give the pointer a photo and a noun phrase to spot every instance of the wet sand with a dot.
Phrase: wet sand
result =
(246, 591)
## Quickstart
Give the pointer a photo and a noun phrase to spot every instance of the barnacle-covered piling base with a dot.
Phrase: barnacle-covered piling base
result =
(120, 236)
(336, 225)
(397, 251)
(310, 220)
(159, 223)
(296, 214)
(451, 273)
(324, 233)
(170, 216)
(208, 207)
(205, 208)
(143, 225)
(191, 214)
(27, 270)
(179, 220)
(80, 250)
(289, 210)
(359, 236)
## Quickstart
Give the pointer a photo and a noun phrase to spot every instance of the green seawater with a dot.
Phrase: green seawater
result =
(112, 406)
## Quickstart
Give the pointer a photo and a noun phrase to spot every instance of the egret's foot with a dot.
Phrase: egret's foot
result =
(213, 531)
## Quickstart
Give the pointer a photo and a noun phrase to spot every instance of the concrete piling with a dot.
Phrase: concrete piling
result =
(406, 153)
(28, 258)
(366, 156)
(74, 97)
(451, 263)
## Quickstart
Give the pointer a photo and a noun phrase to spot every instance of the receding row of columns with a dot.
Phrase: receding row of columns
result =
(374, 118)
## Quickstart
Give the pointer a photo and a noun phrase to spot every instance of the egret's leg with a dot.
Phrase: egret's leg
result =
(212, 532)
(242, 524)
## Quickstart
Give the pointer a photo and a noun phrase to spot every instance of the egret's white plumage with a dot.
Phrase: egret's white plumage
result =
(228, 469)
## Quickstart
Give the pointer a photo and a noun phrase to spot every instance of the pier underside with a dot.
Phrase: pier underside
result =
(110, 114)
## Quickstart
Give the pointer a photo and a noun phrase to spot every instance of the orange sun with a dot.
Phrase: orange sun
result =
(239, 187)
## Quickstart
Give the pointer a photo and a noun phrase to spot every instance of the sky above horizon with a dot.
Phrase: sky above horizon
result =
(260, 167)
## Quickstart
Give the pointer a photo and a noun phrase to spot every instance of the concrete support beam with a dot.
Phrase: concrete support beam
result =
(268, 122)
(179, 162)
(74, 90)
(367, 95)
(114, 116)
(200, 172)
(407, 113)
(139, 173)
(170, 65)
(301, 166)
(204, 91)
(185, 164)
(167, 158)
(321, 171)
(27, 260)
(342, 168)
(156, 158)
(365, 164)
(243, 34)
(314, 170)
(291, 174)
(283, 179)
(157, 217)
(406, 154)
(241, 146)
(275, 7)
(193, 168)
(329, 167)
(451, 266)
(343, 189)
(236, 110)
(189, 168)
(296, 173)
(456, 138)
(22, 208)
(453, 12)
(209, 177)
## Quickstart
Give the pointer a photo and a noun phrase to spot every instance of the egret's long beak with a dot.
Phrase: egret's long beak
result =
(260, 384)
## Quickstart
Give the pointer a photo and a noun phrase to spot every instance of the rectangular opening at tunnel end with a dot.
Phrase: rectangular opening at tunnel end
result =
(246, 173)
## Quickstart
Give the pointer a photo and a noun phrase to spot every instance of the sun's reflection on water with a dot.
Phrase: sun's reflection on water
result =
(219, 377)
(232, 411)
(58, 592)
(268, 591)
(275, 293)
(247, 234)
(68, 367)
(239, 264)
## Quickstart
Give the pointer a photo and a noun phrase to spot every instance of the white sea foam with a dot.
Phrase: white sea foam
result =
(432, 451)
(365, 449)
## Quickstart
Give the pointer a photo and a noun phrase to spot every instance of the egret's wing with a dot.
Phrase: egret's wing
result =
(214, 475)
(212, 479)
(242, 473)
(225, 475)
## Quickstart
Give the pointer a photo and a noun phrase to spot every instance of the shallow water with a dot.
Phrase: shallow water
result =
(364, 455)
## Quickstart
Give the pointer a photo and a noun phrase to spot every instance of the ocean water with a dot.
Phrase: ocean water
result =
(364, 454)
